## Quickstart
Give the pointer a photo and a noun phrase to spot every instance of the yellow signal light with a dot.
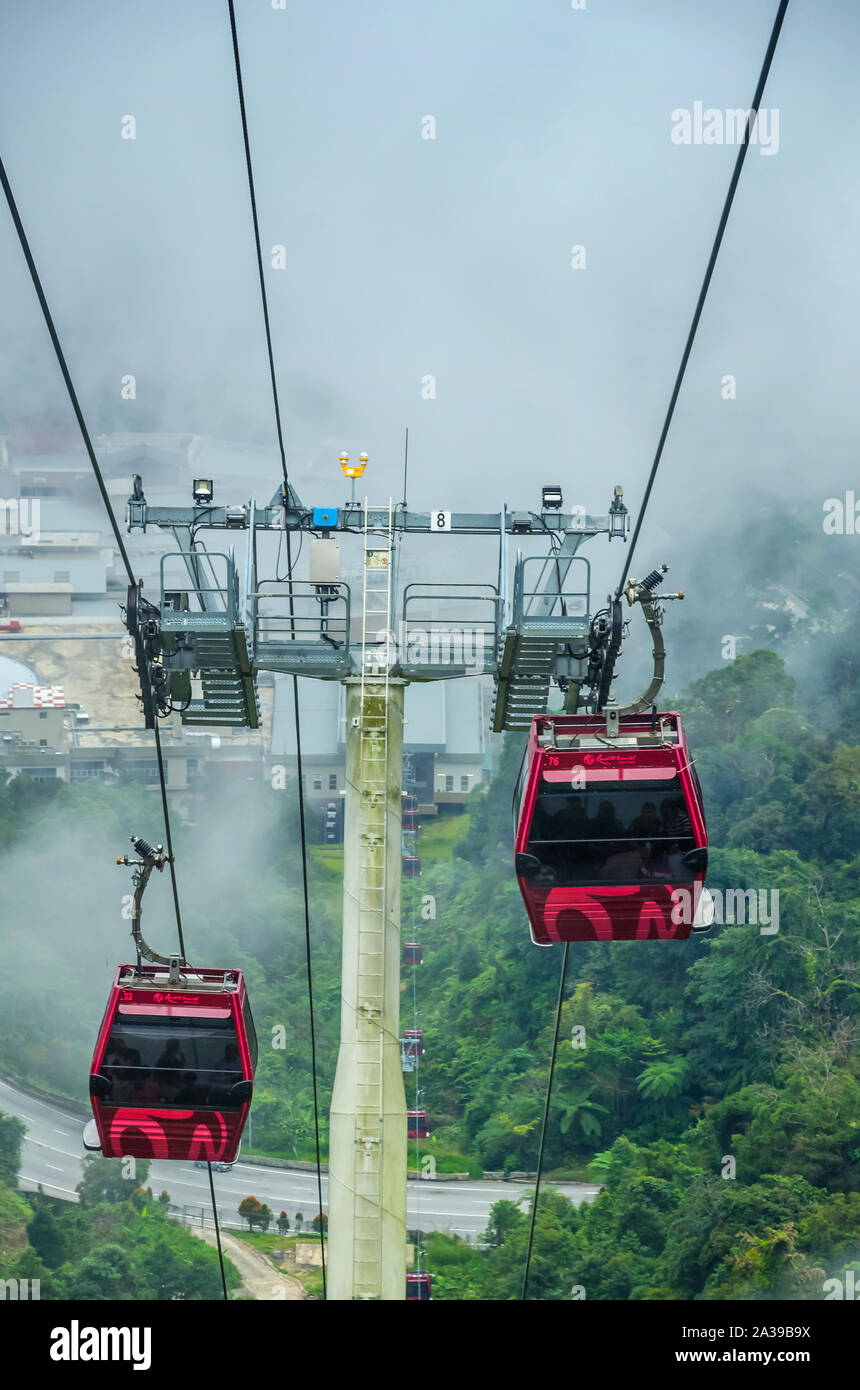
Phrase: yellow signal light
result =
(353, 470)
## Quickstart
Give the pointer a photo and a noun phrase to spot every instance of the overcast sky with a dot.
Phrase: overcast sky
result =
(451, 257)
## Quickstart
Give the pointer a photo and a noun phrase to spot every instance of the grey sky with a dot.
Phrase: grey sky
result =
(408, 256)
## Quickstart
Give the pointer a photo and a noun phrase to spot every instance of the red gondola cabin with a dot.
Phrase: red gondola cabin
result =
(413, 1040)
(411, 866)
(416, 1124)
(173, 1068)
(418, 1286)
(610, 835)
(412, 953)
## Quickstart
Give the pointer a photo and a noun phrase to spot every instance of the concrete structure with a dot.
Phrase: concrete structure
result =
(33, 723)
(445, 735)
(68, 563)
(39, 738)
(185, 763)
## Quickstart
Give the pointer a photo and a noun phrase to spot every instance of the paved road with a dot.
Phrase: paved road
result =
(260, 1277)
(53, 1151)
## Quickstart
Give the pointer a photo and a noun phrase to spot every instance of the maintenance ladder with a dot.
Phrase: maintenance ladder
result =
(377, 656)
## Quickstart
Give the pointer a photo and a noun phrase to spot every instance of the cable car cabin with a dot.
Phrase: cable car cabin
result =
(411, 866)
(173, 1068)
(412, 954)
(413, 1041)
(410, 821)
(416, 1124)
(418, 1286)
(610, 835)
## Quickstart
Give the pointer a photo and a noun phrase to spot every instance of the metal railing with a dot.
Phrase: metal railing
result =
(250, 583)
(461, 639)
(549, 599)
(296, 612)
(226, 594)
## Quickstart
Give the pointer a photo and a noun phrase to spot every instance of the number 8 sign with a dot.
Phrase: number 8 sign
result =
(440, 521)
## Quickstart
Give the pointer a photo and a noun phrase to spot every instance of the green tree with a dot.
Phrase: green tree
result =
(505, 1218)
(46, 1237)
(12, 1133)
(104, 1181)
(105, 1273)
(250, 1209)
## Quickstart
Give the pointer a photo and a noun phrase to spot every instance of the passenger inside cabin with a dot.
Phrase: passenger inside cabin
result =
(607, 826)
(171, 1058)
(189, 1093)
(647, 823)
(625, 862)
(673, 817)
(145, 1090)
(666, 861)
(122, 1057)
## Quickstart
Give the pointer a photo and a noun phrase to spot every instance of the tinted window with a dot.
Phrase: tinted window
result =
(618, 834)
(604, 813)
(251, 1032)
(518, 790)
(697, 784)
(172, 1064)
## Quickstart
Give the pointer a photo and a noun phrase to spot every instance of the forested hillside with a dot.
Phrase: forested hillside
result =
(718, 1095)
(116, 1243)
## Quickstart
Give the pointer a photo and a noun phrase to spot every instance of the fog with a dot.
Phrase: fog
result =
(408, 258)
(66, 909)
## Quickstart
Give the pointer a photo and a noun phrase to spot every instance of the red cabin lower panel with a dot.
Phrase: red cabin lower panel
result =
(173, 1134)
(612, 913)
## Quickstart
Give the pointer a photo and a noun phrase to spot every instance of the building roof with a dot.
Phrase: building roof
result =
(24, 696)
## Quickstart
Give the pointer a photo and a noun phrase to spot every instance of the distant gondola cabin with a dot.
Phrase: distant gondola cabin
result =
(413, 1041)
(416, 1124)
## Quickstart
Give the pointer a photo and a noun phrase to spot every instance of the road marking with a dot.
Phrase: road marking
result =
(52, 1148)
(433, 1215)
(52, 1185)
(53, 1168)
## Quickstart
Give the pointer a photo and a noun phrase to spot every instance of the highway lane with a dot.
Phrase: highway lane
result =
(53, 1151)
